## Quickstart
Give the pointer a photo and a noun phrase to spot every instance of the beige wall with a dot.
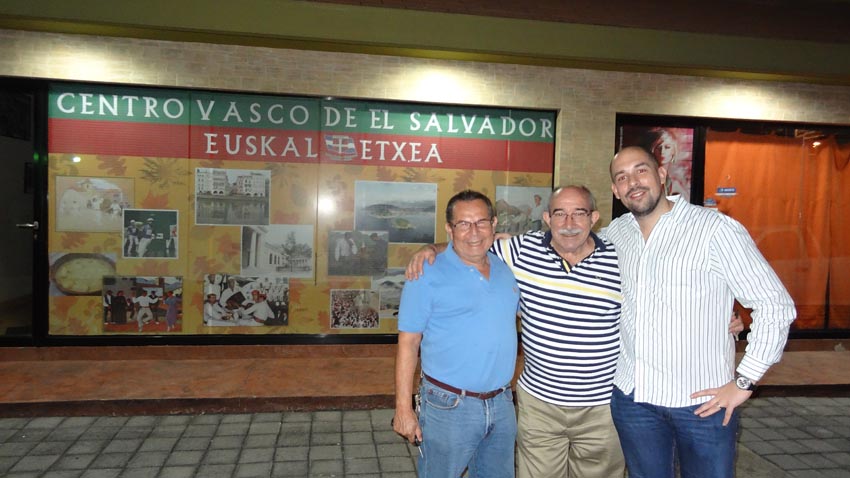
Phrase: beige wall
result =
(586, 99)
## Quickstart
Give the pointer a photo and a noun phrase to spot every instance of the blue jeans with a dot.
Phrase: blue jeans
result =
(653, 437)
(460, 432)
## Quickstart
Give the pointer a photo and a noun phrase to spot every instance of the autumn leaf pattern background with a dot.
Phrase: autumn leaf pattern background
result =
(296, 192)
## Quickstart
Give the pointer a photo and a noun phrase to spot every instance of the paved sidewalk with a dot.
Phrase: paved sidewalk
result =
(780, 437)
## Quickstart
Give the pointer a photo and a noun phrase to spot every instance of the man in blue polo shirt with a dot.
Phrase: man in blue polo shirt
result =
(462, 315)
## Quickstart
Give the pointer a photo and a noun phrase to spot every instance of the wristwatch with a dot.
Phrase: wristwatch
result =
(744, 383)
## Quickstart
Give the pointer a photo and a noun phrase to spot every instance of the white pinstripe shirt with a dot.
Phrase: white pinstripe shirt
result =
(678, 289)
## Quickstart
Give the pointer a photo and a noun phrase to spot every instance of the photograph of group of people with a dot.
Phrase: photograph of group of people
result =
(142, 304)
(354, 309)
(150, 233)
(240, 301)
(520, 208)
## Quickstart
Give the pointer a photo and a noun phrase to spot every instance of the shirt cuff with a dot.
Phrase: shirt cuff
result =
(752, 368)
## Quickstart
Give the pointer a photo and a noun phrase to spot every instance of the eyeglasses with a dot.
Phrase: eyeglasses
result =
(481, 224)
(577, 215)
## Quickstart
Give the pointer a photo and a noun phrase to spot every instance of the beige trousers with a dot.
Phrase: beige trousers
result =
(566, 442)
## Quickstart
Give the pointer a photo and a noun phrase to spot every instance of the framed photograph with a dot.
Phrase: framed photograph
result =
(520, 209)
(389, 286)
(150, 233)
(245, 301)
(407, 211)
(232, 196)
(142, 304)
(357, 253)
(285, 250)
(79, 273)
(92, 204)
(354, 309)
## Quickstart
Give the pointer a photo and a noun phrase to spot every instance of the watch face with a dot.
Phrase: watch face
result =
(744, 383)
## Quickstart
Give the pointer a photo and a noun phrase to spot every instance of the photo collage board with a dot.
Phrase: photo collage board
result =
(193, 212)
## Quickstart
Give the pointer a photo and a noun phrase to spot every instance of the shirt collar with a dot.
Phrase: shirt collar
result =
(597, 242)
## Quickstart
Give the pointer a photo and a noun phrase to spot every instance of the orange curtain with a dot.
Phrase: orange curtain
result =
(839, 263)
(781, 193)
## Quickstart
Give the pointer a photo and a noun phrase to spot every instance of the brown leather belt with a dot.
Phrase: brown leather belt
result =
(458, 391)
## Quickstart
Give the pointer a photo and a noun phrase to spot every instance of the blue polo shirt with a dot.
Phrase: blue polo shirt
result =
(468, 322)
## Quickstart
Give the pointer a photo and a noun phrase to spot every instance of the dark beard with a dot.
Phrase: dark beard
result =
(647, 210)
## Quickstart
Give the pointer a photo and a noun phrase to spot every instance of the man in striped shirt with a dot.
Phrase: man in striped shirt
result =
(570, 302)
(682, 267)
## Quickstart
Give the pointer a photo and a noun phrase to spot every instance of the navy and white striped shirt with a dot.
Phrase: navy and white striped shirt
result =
(570, 318)
(678, 289)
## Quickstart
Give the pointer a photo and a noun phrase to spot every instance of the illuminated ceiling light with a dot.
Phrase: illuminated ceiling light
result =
(815, 144)
(76, 159)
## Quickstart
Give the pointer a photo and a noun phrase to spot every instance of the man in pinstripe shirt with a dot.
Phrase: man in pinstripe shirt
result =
(682, 266)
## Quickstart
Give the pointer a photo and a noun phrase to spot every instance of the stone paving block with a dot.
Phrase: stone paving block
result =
(65, 434)
(267, 417)
(148, 459)
(396, 463)
(158, 444)
(74, 462)
(105, 473)
(117, 446)
(361, 465)
(7, 462)
(291, 468)
(792, 447)
(386, 437)
(43, 422)
(16, 449)
(819, 445)
(140, 473)
(50, 448)
(196, 443)
(184, 458)
(815, 460)
(176, 420)
(318, 453)
(325, 438)
(232, 429)
(225, 442)
(357, 426)
(86, 446)
(200, 431)
(236, 418)
(148, 421)
(297, 417)
(298, 428)
(34, 463)
(30, 435)
(98, 433)
(264, 428)
(215, 470)
(805, 474)
(132, 432)
(767, 433)
(840, 458)
(110, 422)
(61, 474)
(292, 453)
(260, 441)
(111, 460)
(393, 449)
(318, 467)
(177, 472)
(409, 474)
(253, 470)
(327, 416)
(213, 419)
(819, 432)
(786, 462)
(763, 448)
(835, 473)
(218, 457)
(327, 427)
(356, 438)
(356, 415)
(257, 455)
(365, 450)
(293, 439)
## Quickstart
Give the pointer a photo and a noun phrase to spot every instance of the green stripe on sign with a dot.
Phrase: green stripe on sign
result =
(107, 103)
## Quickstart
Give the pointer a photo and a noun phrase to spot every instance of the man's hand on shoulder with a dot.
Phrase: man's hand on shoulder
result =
(416, 264)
